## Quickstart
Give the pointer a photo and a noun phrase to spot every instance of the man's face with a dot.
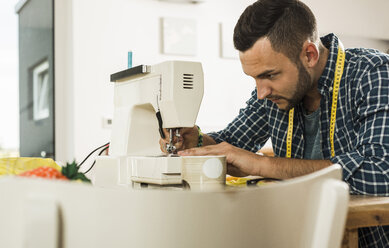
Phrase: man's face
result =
(277, 78)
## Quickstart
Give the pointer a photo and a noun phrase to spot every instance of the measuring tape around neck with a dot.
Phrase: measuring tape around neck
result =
(338, 75)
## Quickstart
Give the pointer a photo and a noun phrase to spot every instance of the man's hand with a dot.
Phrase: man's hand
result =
(188, 139)
(239, 162)
(243, 163)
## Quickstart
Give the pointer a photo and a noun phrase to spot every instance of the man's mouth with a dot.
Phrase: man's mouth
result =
(275, 100)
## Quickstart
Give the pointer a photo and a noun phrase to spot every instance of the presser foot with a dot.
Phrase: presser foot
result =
(170, 147)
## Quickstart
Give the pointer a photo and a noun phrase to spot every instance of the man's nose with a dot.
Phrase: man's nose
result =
(262, 90)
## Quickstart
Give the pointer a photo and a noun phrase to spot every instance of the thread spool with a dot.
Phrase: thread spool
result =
(204, 173)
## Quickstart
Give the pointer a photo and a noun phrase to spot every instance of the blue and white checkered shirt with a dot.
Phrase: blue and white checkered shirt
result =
(361, 138)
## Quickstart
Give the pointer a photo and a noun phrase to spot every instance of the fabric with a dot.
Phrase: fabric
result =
(361, 138)
(312, 146)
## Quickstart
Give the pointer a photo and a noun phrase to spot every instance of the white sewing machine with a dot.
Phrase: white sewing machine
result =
(147, 99)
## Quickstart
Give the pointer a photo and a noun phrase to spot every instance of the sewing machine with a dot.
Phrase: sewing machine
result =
(147, 99)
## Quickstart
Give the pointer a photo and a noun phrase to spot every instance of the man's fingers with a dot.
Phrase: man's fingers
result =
(191, 152)
(166, 133)
(162, 144)
(179, 145)
(200, 151)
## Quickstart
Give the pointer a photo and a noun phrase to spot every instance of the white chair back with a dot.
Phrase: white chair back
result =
(308, 211)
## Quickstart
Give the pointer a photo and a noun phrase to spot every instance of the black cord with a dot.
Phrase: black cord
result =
(101, 152)
(92, 153)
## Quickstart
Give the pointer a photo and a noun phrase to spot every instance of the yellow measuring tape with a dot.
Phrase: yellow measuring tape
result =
(290, 132)
(338, 75)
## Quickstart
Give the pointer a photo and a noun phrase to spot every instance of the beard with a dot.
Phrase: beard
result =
(304, 84)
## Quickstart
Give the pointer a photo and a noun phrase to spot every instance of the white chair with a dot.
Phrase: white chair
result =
(308, 211)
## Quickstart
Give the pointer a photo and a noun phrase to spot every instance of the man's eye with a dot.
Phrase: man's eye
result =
(267, 76)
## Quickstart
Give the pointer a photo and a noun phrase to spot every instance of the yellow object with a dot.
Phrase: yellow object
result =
(236, 181)
(338, 76)
(14, 166)
(289, 136)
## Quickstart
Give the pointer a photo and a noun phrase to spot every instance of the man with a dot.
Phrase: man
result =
(297, 76)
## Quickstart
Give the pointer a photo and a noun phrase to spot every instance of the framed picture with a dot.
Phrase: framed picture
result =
(227, 49)
(178, 36)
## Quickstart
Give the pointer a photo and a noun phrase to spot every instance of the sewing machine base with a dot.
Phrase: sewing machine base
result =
(136, 185)
(123, 171)
(195, 173)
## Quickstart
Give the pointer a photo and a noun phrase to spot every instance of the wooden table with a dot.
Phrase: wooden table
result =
(364, 211)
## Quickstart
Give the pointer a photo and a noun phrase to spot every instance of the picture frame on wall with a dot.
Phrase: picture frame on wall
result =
(178, 36)
(226, 33)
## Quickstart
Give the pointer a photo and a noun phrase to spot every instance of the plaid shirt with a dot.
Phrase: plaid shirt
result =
(361, 139)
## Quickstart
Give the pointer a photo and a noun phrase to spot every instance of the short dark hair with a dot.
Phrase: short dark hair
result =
(286, 23)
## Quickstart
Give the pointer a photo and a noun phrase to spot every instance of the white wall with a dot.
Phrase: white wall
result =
(103, 32)
(9, 90)
(359, 18)
(99, 34)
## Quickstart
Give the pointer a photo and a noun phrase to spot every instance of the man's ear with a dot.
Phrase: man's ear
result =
(309, 54)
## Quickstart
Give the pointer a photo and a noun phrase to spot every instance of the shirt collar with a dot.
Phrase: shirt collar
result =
(331, 42)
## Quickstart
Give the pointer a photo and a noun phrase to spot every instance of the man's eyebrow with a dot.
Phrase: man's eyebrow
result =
(267, 72)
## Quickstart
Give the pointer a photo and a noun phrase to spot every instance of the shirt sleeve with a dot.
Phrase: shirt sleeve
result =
(249, 130)
(366, 168)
